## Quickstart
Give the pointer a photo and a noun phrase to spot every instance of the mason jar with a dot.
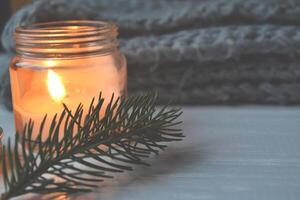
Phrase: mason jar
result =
(65, 62)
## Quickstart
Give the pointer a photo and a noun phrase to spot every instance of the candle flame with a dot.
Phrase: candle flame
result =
(55, 86)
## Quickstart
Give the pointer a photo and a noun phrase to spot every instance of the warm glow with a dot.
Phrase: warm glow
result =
(55, 86)
(73, 27)
(50, 63)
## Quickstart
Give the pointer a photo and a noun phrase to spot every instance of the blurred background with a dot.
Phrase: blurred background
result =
(8, 8)
(193, 52)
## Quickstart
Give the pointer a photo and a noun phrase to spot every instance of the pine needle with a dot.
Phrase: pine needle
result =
(92, 149)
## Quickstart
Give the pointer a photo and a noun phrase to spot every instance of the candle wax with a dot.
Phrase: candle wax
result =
(80, 84)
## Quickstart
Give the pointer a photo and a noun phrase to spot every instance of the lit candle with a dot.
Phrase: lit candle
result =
(42, 85)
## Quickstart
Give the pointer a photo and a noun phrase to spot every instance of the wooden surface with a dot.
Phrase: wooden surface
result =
(239, 153)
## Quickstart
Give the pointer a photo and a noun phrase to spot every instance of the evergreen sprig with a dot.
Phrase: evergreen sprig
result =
(92, 148)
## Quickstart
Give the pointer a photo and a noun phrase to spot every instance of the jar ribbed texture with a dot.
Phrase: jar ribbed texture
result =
(58, 39)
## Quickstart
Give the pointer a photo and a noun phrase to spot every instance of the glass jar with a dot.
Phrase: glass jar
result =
(66, 62)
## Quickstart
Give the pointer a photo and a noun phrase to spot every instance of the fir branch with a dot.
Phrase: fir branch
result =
(93, 148)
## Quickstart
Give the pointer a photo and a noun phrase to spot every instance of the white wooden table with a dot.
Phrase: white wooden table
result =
(230, 153)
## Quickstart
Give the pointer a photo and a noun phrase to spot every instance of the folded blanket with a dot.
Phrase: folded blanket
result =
(194, 52)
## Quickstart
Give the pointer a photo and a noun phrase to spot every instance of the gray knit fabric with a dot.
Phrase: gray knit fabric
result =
(5, 94)
(194, 52)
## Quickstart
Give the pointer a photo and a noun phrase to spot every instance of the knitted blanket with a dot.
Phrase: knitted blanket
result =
(196, 51)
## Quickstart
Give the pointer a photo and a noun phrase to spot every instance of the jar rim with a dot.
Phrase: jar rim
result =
(61, 38)
(58, 26)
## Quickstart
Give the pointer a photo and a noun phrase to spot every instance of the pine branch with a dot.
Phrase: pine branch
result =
(93, 148)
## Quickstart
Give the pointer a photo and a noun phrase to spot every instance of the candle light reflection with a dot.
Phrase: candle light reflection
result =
(55, 86)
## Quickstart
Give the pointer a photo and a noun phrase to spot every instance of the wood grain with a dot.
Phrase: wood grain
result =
(230, 153)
